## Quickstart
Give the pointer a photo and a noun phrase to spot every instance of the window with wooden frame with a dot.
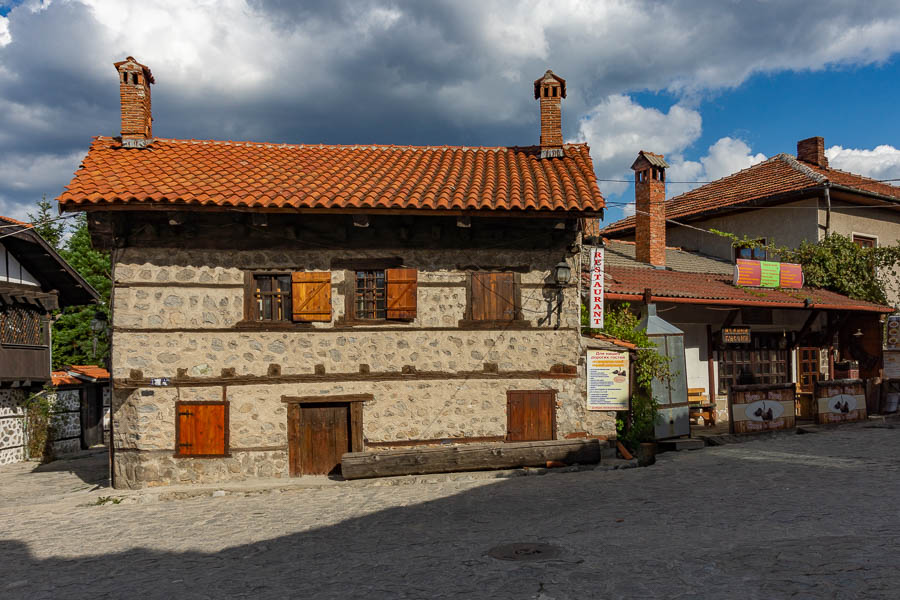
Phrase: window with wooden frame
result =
(22, 326)
(271, 297)
(493, 297)
(201, 429)
(765, 360)
(384, 294)
(299, 296)
(865, 241)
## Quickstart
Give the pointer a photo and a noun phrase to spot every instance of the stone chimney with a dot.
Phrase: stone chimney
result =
(550, 90)
(650, 208)
(134, 92)
(812, 151)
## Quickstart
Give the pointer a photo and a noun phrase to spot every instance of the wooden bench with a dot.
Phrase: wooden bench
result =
(700, 406)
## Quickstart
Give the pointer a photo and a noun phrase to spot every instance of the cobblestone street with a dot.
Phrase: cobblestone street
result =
(803, 516)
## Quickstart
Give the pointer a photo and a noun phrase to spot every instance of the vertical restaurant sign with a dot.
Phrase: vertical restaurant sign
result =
(607, 380)
(763, 273)
(596, 295)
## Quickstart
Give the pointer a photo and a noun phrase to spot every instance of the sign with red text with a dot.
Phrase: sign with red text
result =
(596, 295)
(768, 274)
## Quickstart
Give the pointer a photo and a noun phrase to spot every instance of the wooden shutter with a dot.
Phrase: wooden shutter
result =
(201, 429)
(493, 296)
(311, 295)
(401, 293)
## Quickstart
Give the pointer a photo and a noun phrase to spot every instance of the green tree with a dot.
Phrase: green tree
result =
(73, 337)
(52, 231)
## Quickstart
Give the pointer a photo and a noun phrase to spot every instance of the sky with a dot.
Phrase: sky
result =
(715, 85)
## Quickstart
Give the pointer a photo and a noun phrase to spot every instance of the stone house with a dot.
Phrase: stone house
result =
(34, 282)
(80, 405)
(277, 305)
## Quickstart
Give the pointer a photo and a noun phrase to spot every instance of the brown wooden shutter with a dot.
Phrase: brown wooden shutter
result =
(401, 293)
(201, 429)
(493, 296)
(311, 295)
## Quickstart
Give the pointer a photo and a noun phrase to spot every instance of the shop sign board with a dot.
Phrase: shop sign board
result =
(840, 403)
(768, 274)
(596, 296)
(607, 380)
(893, 333)
(735, 335)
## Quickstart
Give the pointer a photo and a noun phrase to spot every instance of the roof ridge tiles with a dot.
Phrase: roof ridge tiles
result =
(795, 164)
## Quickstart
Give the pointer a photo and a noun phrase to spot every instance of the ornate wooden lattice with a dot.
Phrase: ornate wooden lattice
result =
(21, 325)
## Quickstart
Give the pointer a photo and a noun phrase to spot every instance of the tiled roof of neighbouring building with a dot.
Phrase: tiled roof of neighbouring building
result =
(780, 174)
(260, 175)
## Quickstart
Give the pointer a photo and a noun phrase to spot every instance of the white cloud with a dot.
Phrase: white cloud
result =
(882, 162)
(618, 128)
(5, 37)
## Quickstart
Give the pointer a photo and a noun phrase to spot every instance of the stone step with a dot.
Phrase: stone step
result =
(681, 444)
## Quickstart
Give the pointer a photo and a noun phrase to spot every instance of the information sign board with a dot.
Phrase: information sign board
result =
(763, 273)
(596, 294)
(607, 380)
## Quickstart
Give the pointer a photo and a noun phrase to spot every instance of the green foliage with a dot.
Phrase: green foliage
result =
(73, 339)
(621, 323)
(836, 263)
(52, 233)
(38, 426)
(107, 500)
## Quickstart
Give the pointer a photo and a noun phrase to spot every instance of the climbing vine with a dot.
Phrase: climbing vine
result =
(38, 426)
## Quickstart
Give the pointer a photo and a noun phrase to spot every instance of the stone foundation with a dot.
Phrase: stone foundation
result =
(135, 470)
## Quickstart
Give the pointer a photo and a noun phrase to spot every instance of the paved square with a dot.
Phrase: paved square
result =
(803, 516)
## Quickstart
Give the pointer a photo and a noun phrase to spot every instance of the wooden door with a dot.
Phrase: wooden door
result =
(530, 416)
(808, 366)
(320, 436)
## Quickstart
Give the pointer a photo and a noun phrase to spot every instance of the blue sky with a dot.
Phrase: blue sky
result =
(714, 86)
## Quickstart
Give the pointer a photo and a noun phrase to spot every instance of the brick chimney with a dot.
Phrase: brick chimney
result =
(550, 90)
(812, 151)
(134, 92)
(650, 209)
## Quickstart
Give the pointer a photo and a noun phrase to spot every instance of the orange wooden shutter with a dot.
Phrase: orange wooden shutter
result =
(401, 294)
(493, 296)
(201, 429)
(311, 295)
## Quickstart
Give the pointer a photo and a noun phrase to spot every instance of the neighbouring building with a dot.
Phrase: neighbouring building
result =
(786, 200)
(781, 335)
(276, 305)
(80, 407)
(34, 281)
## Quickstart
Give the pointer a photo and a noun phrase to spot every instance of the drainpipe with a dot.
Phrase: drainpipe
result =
(827, 209)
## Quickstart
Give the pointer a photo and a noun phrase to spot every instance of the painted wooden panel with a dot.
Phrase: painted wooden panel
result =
(401, 293)
(311, 295)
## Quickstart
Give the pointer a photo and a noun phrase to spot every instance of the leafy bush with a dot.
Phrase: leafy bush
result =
(38, 426)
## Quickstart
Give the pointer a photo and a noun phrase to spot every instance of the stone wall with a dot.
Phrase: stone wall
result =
(454, 380)
(66, 421)
(12, 426)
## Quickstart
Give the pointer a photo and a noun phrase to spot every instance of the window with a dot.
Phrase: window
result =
(370, 295)
(493, 297)
(201, 429)
(765, 360)
(865, 241)
(385, 294)
(23, 326)
(271, 297)
(751, 253)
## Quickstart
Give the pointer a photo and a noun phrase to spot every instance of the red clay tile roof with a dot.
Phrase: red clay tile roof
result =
(191, 172)
(778, 175)
(625, 283)
(612, 340)
(12, 221)
(92, 371)
(62, 378)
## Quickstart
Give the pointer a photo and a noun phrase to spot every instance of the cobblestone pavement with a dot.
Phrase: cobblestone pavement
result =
(805, 516)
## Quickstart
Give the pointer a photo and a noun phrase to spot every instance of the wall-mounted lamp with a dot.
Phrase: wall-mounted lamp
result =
(562, 272)
(858, 333)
